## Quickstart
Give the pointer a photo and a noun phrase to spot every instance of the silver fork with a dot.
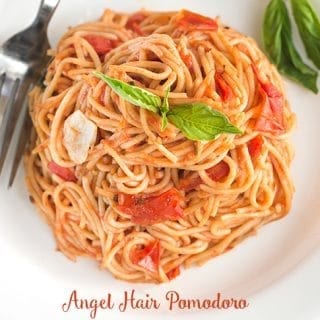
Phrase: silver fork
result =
(22, 60)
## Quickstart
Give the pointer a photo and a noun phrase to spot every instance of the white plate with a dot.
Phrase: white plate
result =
(277, 271)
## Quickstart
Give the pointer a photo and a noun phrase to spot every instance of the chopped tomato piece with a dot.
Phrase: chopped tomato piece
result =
(216, 173)
(219, 171)
(148, 257)
(173, 273)
(271, 90)
(223, 89)
(187, 59)
(271, 115)
(189, 21)
(100, 44)
(271, 118)
(150, 209)
(134, 22)
(64, 173)
(255, 146)
(190, 183)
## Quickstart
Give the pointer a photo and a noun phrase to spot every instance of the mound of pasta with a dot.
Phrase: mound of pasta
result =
(160, 141)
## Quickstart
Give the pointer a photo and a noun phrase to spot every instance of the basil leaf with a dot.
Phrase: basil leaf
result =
(278, 42)
(135, 95)
(309, 28)
(164, 110)
(198, 121)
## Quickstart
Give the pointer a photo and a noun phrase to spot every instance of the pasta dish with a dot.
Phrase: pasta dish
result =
(160, 141)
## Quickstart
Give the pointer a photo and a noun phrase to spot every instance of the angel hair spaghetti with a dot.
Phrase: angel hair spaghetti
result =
(149, 181)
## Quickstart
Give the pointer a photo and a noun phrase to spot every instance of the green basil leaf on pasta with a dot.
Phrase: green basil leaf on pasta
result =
(164, 108)
(309, 28)
(278, 42)
(198, 121)
(133, 94)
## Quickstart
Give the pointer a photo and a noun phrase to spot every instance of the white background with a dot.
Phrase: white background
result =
(278, 271)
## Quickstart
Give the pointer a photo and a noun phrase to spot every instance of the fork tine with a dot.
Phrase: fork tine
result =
(2, 80)
(6, 105)
(2, 97)
(9, 88)
(23, 136)
(16, 98)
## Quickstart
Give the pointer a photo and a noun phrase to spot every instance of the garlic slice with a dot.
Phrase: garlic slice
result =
(79, 133)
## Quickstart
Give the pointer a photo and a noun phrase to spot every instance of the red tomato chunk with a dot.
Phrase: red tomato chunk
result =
(271, 117)
(134, 21)
(148, 257)
(223, 89)
(255, 146)
(100, 44)
(173, 273)
(216, 173)
(64, 173)
(150, 209)
(189, 21)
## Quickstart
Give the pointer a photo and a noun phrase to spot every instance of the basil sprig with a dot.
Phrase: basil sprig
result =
(135, 95)
(278, 42)
(197, 121)
(309, 28)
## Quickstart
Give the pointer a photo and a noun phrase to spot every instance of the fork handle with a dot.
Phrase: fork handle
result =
(46, 10)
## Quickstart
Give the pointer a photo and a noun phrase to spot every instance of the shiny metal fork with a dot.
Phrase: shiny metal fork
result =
(22, 60)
